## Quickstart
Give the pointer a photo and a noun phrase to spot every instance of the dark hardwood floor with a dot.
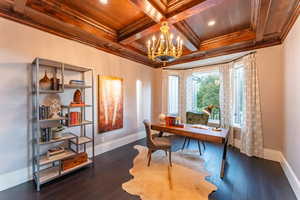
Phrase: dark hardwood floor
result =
(246, 178)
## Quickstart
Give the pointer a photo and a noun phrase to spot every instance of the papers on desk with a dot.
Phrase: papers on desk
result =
(201, 127)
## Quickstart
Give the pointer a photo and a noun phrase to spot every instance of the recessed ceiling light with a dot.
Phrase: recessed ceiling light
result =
(103, 1)
(211, 23)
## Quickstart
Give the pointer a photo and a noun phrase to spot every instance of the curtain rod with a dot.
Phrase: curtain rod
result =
(233, 60)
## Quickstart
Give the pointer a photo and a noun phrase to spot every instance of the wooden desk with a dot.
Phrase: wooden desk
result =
(209, 135)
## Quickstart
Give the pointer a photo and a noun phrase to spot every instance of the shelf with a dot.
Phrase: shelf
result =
(66, 136)
(65, 106)
(83, 123)
(47, 169)
(44, 160)
(50, 91)
(51, 173)
(51, 63)
(48, 174)
(74, 86)
(77, 167)
(82, 140)
(51, 120)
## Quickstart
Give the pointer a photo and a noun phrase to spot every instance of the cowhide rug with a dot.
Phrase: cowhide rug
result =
(185, 180)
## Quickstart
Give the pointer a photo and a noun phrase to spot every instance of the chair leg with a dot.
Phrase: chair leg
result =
(166, 152)
(184, 143)
(203, 143)
(149, 156)
(170, 161)
(199, 147)
(188, 144)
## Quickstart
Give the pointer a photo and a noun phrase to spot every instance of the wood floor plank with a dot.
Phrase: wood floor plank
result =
(246, 178)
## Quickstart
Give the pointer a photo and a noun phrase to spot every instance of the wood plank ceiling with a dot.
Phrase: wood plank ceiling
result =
(122, 27)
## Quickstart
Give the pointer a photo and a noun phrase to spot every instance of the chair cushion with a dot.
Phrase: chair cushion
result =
(162, 142)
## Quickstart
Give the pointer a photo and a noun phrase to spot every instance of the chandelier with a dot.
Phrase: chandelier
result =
(163, 49)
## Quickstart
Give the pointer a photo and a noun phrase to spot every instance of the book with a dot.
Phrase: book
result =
(46, 134)
(75, 118)
(76, 82)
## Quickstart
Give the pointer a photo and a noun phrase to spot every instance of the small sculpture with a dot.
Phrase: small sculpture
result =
(77, 99)
(55, 109)
(45, 83)
(57, 132)
(54, 83)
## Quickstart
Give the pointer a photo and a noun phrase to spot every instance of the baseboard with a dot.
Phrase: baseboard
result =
(20, 176)
(113, 144)
(14, 178)
(290, 174)
(275, 155)
(271, 154)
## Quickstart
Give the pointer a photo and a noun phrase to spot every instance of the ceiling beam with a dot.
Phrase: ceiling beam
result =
(228, 39)
(240, 47)
(254, 13)
(196, 9)
(79, 31)
(220, 43)
(139, 47)
(291, 20)
(190, 38)
(135, 27)
(19, 6)
(75, 18)
(149, 9)
(260, 15)
(182, 30)
(179, 6)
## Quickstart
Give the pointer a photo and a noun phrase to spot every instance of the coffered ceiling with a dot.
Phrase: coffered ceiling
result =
(209, 28)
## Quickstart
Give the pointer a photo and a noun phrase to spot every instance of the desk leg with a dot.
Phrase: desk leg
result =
(224, 159)
(160, 134)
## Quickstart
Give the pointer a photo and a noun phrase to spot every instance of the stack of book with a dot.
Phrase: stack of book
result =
(44, 112)
(76, 82)
(75, 118)
(46, 134)
(55, 150)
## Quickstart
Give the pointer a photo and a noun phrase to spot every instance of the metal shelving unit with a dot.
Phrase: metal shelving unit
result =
(46, 169)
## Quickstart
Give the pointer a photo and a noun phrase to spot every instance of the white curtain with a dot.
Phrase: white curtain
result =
(226, 98)
(251, 133)
(190, 96)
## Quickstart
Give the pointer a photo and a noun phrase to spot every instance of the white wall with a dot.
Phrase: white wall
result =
(291, 136)
(19, 45)
(270, 69)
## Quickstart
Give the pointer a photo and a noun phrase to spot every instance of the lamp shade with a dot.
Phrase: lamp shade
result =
(162, 118)
(208, 109)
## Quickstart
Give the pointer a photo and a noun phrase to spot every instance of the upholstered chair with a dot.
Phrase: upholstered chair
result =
(196, 118)
(156, 143)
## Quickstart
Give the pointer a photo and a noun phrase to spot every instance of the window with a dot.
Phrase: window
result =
(238, 94)
(173, 94)
(203, 90)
